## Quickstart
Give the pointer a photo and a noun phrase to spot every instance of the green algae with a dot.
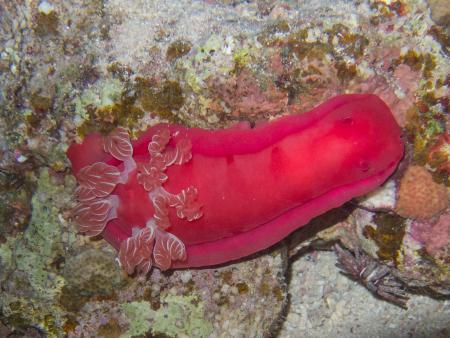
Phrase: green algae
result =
(192, 80)
(29, 262)
(15, 202)
(199, 67)
(139, 315)
(105, 94)
(42, 239)
(107, 106)
(176, 316)
(241, 59)
(181, 315)
(6, 252)
(426, 130)
(205, 52)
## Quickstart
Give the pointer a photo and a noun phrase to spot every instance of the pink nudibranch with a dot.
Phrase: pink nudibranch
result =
(186, 197)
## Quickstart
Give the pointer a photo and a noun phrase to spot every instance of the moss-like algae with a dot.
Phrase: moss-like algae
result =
(389, 8)
(213, 44)
(426, 63)
(279, 293)
(46, 24)
(139, 315)
(42, 239)
(388, 235)
(177, 316)
(110, 106)
(177, 49)
(346, 71)
(15, 202)
(118, 101)
(28, 263)
(241, 58)
(163, 98)
(297, 46)
(100, 278)
(181, 316)
(442, 36)
(426, 131)
(242, 287)
(353, 44)
(111, 329)
(105, 119)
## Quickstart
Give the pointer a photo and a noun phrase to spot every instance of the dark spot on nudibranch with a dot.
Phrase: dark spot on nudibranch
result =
(364, 165)
(348, 120)
(276, 153)
(276, 159)
(230, 159)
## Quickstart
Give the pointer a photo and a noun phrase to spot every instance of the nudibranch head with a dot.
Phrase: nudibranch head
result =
(97, 204)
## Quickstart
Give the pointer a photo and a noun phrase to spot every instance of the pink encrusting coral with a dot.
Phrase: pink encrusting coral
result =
(186, 197)
(434, 234)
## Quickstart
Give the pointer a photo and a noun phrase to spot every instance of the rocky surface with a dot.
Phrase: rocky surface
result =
(70, 67)
(326, 303)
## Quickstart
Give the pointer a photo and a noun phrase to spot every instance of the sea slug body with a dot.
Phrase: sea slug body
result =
(185, 197)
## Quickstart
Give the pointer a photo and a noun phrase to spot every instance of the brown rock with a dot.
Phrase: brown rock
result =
(440, 11)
